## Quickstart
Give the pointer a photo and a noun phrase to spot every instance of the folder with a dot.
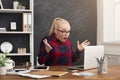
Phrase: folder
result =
(29, 21)
(25, 22)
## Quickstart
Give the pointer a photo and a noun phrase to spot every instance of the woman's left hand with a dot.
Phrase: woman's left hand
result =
(82, 45)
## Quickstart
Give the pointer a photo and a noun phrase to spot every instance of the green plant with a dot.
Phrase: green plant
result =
(3, 59)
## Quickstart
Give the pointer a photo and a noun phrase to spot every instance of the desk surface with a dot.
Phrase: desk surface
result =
(113, 74)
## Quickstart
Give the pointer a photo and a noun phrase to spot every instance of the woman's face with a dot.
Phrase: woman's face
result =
(63, 32)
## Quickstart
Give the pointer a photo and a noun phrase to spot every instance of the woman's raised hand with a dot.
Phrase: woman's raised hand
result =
(47, 45)
(82, 45)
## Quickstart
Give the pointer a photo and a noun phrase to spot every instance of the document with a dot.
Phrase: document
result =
(84, 74)
(34, 76)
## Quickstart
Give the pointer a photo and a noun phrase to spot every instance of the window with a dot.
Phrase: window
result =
(111, 20)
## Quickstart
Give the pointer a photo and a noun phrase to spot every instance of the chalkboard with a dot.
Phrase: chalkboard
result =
(80, 13)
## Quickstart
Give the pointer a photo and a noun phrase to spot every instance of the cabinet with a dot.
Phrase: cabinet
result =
(19, 37)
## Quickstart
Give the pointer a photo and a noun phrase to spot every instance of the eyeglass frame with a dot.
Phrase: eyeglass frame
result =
(64, 32)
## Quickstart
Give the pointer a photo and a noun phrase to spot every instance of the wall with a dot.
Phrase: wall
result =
(105, 24)
(80, 13)
(105, 30)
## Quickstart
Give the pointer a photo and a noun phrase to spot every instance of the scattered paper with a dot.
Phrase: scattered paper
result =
(84, 74)
(34, 76)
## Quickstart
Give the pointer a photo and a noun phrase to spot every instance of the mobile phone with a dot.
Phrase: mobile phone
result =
(41, 67)
(18, 70)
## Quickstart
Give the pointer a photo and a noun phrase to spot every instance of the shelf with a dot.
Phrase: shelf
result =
(15, 32)
(23, 35)
(15, 11)
(16, 54)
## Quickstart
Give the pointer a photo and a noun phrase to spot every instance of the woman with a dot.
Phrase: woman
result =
(56, 49)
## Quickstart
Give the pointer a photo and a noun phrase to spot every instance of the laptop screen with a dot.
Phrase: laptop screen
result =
(90, 54)
(89, 58)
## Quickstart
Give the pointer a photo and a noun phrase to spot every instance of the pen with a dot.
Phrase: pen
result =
(102, 58)
(98, 60)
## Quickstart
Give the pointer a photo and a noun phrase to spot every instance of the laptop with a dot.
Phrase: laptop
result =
(90, 54)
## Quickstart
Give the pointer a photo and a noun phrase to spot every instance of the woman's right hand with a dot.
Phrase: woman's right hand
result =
(47, 45)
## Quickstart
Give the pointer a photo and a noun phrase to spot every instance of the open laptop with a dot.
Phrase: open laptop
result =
(90, 54)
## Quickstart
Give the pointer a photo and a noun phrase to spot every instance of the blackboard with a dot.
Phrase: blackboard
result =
(81, 14)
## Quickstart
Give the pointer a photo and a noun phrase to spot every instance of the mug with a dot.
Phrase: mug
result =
(10, 64)
(15, 4)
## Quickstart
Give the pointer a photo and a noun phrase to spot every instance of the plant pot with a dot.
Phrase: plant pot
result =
(3, 70)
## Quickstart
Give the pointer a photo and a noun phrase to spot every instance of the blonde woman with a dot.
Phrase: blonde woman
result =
(56, 49)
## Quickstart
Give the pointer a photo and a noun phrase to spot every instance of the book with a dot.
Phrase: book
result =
(47, 72)
(2, 29)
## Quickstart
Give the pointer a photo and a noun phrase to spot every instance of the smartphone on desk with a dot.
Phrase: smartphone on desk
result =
(20, 69)
(41, 68)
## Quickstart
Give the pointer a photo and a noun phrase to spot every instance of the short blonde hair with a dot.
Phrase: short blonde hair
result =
(56, 22)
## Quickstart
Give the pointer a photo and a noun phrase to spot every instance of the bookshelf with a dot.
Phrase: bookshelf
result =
(19, 37)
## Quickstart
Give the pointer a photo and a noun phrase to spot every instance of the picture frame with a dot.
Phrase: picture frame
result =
(1, 5)
(21, 50)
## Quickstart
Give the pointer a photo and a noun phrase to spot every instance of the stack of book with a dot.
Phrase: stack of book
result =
(2, 29)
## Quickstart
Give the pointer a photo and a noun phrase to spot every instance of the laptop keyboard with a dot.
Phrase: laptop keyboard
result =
(78, 67)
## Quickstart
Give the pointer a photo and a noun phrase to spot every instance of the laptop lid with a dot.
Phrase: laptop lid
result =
(90, 54)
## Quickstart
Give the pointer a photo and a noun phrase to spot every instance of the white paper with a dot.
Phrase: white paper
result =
(84, 74)
(34, 76)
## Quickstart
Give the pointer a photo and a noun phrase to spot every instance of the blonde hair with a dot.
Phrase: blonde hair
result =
(56, 22)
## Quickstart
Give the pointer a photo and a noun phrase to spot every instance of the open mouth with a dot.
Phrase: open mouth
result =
(65, 38)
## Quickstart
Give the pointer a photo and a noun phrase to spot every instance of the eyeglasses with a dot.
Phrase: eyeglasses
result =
(63, 32)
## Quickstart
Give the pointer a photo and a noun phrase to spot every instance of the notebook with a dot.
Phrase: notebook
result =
(50, 73)
(90, 54)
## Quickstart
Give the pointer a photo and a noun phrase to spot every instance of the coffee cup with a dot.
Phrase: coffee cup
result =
(10, 64)
(15, 4)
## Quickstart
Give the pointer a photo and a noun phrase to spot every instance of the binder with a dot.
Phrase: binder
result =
(25, 22)
(29, 21)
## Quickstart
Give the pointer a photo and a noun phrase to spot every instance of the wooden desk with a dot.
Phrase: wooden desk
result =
(113, 74)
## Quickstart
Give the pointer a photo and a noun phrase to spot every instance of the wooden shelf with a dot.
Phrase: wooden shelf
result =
(15, 11)
(18, 37)
(15, 32)
(16, 54)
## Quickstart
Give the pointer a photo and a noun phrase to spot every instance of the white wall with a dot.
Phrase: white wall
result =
(108, 28)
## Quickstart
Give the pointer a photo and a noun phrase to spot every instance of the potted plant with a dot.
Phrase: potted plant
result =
(3, 59)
